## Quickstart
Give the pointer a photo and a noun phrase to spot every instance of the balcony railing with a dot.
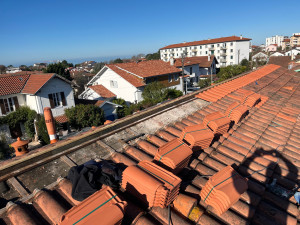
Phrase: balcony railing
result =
(223, 54)
(223, 47)
(211, 48)
(194, 50)
(223, 60)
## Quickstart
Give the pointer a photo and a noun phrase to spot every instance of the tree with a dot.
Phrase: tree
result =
(66, 64)
(118, 60)
(58, 68)
(153, 56)
(246, 63)
(2, 69)
(82, 116)
(42, 131)
(120, 110)
(173, 93)
(98, 67)
(24, 68)
(155, 92)
(81, 80)
(230, 71)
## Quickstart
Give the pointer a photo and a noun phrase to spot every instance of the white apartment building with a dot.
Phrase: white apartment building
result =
(227, 50)
(278, 39)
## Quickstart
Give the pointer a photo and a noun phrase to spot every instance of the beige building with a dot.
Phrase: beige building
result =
(295, 40)
(286, 43)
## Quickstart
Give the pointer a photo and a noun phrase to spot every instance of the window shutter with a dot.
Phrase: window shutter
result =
(16, 102)
(63, 99)
(51, 100)
(2, 107)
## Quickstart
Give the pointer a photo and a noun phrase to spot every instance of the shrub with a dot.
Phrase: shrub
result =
(82, 116)
(42, 131)
(173, 93)
(4, 147)
(204, 82)
(155, 92)
(120, 111)
(22, 115)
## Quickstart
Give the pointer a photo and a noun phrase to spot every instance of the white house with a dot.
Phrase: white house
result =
(277, 54)
(36, 91)
(127, 80)
(292, 52)
(260, 56)
(227, 50)
(197, 66)
(13, 70)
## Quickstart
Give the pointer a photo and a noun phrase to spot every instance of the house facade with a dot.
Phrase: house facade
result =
(36, 91)
(127, 80)
(197, 66)
(286, 43)
(292, 52)
(227, 50)
(271, 48)
(260, 56)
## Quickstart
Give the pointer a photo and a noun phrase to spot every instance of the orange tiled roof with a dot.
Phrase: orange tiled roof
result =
(102, 91)
(132, 79)
(61, 119)
(35, 82)
(201, 60)
(99, 103)
(149, 68)
(263, 145)
(210, 41)
(12, 84)
(282, 60)
(286, 40)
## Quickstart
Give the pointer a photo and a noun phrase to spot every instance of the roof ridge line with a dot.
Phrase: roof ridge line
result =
(21, 92)
(129, 72)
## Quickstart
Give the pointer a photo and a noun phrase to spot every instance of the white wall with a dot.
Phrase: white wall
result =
(55, 85)
(90, 95)
(109, 110)
(21, 100)
(204, 50)
(124, 89)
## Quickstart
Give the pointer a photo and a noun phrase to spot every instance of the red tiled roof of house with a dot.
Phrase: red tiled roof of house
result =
(286, 40)
(36, 81)
(132, 79)
(201, 60)
(61, 119)
(149, 68)
(282, 60)
(210, 41)
(102, 91)
(12, 83)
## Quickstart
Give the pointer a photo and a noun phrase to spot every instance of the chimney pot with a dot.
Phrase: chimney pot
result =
(241, 37)
(172, 61)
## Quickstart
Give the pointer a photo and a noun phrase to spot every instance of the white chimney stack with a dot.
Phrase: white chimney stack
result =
(172, 61)
(241, 37)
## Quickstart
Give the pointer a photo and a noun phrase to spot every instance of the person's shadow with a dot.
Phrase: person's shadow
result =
(279, 186)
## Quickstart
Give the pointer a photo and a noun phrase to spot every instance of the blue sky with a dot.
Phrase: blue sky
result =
(39, 31)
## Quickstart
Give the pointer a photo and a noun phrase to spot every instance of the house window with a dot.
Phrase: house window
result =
(212, 46)
(176, 77)
(231, 57)
(170, 77)
(231, 50)
(218, 51)
(57, 99)
(231, 63)
(8, 105)
(218, 45)
(206, 52)
(113, 84)
(191, 70)
(201, 47)
(231, 44)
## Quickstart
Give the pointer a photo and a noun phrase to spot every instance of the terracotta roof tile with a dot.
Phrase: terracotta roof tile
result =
(102, 91)
(210, 41)
(149, 68)
(36, 82)
(12, 84)
(132, 79)
(61, 119)
(201, 60)
(281, 60)
(263, 145)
